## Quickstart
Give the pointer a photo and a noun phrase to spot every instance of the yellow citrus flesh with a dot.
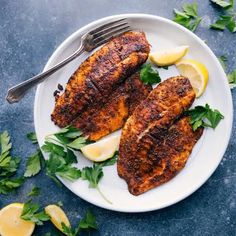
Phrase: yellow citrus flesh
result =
(57, 215)
(101, 150)
(11, 224)
(196, 72)
(168, 57)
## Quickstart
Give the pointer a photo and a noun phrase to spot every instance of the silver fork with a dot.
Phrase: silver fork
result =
(88, 42)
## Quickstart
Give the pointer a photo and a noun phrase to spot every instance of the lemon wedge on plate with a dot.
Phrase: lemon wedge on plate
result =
(101, 150)
(58, 216)
(169, 56)
(196, 72)
(11, 224)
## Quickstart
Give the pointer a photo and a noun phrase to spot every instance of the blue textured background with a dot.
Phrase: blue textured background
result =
(30, 30)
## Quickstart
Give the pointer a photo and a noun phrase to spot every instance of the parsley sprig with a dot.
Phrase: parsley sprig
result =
(189, 18)
(226, 20)
(8, 166)
(31, 213)
(149, 75)
(204, 116)
(87, 223)
(231, 75)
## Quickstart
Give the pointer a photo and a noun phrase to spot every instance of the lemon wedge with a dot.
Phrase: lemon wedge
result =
(196, 72)
(168, 57)
(11, 224)
(58, 216)
(101, 150)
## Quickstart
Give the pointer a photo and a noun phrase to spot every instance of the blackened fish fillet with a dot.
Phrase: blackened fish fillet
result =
(99, 75)
(103, 119)
(155, 144)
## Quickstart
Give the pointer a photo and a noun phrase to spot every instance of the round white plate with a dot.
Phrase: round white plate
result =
(207, 154)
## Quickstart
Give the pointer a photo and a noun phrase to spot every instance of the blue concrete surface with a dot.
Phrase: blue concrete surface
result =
(30, 30)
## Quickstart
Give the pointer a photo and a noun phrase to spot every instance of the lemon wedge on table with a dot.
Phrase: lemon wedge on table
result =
(196, 72)
(11, 224)
(101, 150)
(169, 56)
(58, 216)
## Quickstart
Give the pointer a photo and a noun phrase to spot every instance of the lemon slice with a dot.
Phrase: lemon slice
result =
(58, 216)
(196, 72)
(11, 224)
(101, 150)
(168, 57)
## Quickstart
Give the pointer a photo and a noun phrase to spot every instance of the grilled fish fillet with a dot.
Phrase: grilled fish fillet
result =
(99, 120)
(154, 147)
(99, 75)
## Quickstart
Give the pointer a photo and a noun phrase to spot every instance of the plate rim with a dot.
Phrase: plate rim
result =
(71, 37)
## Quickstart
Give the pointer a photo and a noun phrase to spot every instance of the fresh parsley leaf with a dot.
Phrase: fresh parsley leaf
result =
(148, 75)
(223, 59)
(35, 191)
(9, 166)
(8, 185)
(5, 142)
(204, 116)
(31, 213)
(110, 161)
(33, 165)
(32, 137)
(69, 137)
(232, 79)
(189, 18)
(56, 165)
(87, 223)
(225, 21)
(60, 204)
(222, 3)
(92, 174)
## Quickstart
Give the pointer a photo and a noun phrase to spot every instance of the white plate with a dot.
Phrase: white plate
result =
(208, 152)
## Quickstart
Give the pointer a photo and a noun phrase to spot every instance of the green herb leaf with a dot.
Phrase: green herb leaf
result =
(92, 174)
(5, 142)
(35, 191)
(78, 143)
(33, 165)
(222, 3)
(32, 137)
(189, 18)
(223, 60)
(31, 213)
(225, 21)
(110, 161)
(56, 165)
(204, 117)
(8, 185)
(148, 75)
(232, 79)
(60, 204)
(87, 223)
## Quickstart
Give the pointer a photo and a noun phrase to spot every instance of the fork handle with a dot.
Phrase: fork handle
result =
(15, 93)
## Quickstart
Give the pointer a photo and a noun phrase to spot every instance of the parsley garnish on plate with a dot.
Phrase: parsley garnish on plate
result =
(204, 116)
(86, 224)
(31, 213)
(189, 18)
(149, 75)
